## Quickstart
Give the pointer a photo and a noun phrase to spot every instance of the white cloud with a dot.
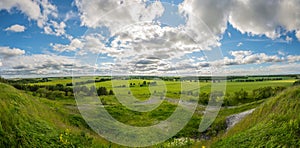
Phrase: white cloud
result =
(55, 28)
(42, 64)
(28, 7)
(38, 10)
(115, 14)
(70, 15)
(293, 58)
(247, 57)
(281, 53)
(265, 17)
(274, 69)
(288, 39)
(298, 35)
(247, 16)
(16, 28)
(149, 38)
(241, 53)
(143, 46)
(206, 20)
(7, 52)
(74, 45)
(41, 11)
(239, 44)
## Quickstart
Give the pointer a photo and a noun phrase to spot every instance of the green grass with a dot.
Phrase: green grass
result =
(276, 123)
(26, 121)
(172, 89)
(22, 110)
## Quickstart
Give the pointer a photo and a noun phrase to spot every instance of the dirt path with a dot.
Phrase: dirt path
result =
(235, 118)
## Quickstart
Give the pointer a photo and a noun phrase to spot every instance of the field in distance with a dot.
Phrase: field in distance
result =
(140, 87)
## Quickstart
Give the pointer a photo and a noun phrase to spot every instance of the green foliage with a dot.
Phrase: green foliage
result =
(65, 113)
(204, 98)
(276, 123)
(297, 83)
(27, 122)
(102, 91)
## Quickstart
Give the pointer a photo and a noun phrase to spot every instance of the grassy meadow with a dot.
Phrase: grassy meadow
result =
(47, 105)
(174, 87)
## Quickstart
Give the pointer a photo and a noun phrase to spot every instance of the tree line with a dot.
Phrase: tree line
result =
(241, 96)
(60, 91)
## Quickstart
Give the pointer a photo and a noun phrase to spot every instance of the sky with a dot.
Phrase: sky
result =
(43, 38)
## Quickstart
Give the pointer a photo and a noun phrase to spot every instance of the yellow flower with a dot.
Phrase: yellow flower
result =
(61, 138)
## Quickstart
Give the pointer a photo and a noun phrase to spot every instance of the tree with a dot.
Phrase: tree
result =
(68, 91)
(241, 95)
(69, 84)
(59, 87)
(203, 98)
(111, 92)
(2, 80)
(263, 93)
(42, 92)
(33, 88)
(297, 83)
(102, 91)
(214, 96)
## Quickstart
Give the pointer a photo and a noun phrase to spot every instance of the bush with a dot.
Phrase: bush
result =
(102, 91)
(296, 83)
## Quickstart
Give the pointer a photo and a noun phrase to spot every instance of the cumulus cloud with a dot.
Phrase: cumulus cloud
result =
(74, 45)
(293, 58)
(206, 22)
(298, 35)
(241, 54)
(42, 64)
(38, 10)
(7, 52)
(41, 11)
(152, 39)
(247, 16)
(247, 57)
(273, 69)
(114, 14)
(16, 28)
(55, 28)
(288, 39)
(265, 17)
(203, 14)
(28, 7)
(143, 47)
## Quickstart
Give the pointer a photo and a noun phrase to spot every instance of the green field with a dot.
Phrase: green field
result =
(276, 123)
(51, 107)
(173, 88)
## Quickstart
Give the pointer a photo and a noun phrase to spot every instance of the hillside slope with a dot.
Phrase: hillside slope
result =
(276, 123)
(26, 121)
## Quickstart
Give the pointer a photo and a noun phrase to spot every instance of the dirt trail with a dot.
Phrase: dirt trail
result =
(234, 119)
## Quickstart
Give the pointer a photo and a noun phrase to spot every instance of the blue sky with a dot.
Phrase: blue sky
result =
(54, 37)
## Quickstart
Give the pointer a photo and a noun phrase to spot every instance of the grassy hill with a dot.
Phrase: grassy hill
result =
(26, 121)
(276, 123)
